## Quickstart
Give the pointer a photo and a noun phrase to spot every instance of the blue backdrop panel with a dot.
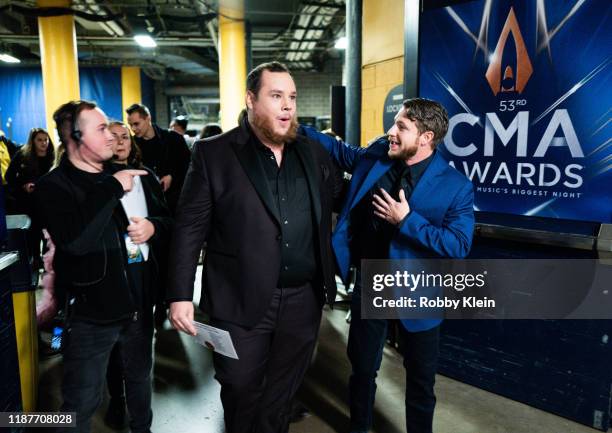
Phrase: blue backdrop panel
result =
(102, 85)
(550, 92)
(22, 97)
(21, 101)
(527, 86)
(562, 367)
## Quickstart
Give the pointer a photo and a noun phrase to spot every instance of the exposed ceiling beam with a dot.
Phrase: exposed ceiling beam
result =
(206, 27)
(10, 23)
(118, 41)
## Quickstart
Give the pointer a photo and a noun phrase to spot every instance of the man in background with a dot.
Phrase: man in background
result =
(179, 125)
(163, 151)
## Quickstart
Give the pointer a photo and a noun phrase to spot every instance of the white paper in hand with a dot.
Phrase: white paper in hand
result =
(215, 339)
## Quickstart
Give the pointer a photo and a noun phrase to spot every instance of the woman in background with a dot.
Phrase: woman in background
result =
(126, 152)
(28, 165)
(125, 149)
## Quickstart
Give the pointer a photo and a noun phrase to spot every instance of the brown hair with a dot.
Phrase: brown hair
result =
(429, 116)
(253, 82)
(29, 152)
(135, 157)
(210, 130)
(138, 108)
(66, 119)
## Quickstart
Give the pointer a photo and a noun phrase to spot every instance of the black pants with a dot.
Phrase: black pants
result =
(365, 350)
(86, 357)
(114, 374)
(257, 388)
(35, 237)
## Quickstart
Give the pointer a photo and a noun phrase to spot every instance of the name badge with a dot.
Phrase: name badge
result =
(134, 255)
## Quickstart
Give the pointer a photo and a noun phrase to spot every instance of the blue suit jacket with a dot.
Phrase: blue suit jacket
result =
(441, 218)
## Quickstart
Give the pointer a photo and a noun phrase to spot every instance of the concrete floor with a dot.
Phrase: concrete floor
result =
(186, 396)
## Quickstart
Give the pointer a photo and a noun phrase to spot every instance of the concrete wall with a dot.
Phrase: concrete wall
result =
(161, 105)
(313, 92)
(314, 88)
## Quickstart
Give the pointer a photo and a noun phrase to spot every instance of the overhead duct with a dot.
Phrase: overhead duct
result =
(296, 32)
(90, 6)
(311, 25)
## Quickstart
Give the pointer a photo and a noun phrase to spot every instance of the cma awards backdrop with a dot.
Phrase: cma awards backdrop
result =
(528, 90)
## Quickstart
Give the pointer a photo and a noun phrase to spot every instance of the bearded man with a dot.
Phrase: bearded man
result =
(261, 197)
(404, 202)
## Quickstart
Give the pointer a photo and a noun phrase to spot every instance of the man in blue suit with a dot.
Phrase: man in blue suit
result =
(404, 201)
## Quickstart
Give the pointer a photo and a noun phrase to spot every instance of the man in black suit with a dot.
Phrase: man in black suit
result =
(261, 196)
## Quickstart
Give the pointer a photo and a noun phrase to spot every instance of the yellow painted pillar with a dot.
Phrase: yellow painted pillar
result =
(232, 61)
(130, 88)
(58, 58)
(26, 336)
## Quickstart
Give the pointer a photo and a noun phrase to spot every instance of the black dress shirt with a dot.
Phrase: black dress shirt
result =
(371, 235)
(292, 197)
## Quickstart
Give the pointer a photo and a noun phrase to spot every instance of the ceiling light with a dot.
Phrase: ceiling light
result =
(8, 58)
(145, 41)
(341, 43)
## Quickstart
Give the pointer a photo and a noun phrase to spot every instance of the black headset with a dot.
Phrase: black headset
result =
(75, 132)
(72, 112)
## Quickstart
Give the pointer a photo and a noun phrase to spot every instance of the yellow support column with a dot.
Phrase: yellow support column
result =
(130, 88)
(60, 73)
(26, 336)
(232, 61)
(58, 58)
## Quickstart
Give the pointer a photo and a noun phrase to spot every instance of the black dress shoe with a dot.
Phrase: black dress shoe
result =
(116, 414)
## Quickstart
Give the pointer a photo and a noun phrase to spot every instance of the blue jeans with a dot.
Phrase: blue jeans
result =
(365, 349)
(86, 356)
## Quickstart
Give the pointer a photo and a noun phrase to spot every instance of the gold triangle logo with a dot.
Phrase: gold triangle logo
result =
(523, 69)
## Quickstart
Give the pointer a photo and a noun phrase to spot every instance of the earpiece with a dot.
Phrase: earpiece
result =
(76, 135)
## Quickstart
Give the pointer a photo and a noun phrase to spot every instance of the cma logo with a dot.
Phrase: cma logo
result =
(496, 170)
(512, 79)
(519, 127)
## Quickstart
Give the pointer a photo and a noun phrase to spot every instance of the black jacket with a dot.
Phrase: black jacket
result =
(87, 223)
(173, 160)
(227, 202)
(20, 172)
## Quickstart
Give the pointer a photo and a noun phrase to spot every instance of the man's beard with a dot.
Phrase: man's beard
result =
(265, 127)
(405, 153)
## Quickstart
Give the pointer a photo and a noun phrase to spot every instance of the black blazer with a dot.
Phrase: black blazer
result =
(227, 202)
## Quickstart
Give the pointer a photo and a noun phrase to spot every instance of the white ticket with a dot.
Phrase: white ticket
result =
(215, 339)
